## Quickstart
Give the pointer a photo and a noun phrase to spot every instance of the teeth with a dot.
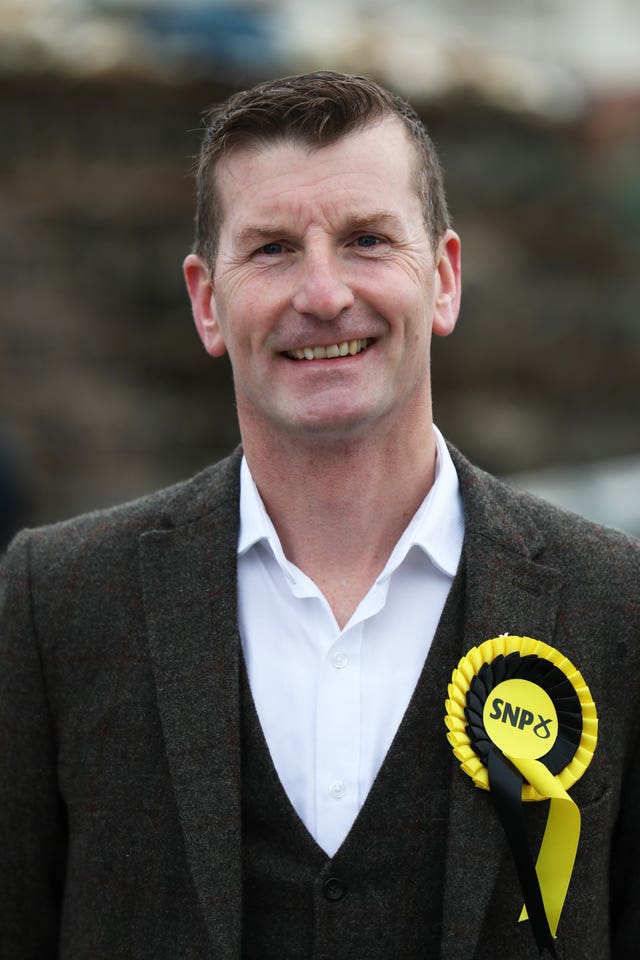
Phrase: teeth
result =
(346, 348)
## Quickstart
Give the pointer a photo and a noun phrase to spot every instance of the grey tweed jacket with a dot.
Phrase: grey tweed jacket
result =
(119, 728)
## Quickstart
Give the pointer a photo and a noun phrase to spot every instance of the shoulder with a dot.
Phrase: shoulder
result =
(107, 536)
(499, 511)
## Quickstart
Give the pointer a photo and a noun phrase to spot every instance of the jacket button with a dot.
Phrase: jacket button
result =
(334, 889)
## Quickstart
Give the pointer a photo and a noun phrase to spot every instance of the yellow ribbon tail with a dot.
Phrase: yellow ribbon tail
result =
(557, 855)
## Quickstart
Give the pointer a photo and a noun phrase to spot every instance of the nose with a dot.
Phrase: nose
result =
(322, 289)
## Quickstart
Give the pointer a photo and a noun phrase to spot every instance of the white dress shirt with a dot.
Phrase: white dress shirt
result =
(329, 700)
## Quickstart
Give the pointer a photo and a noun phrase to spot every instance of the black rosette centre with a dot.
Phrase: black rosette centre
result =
(545, 675)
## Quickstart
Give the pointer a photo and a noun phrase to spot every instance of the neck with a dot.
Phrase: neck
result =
(339, 508)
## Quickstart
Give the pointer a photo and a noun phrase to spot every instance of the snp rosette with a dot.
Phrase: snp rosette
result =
(523, 724)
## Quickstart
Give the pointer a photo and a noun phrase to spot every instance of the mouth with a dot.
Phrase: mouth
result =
(346, 348)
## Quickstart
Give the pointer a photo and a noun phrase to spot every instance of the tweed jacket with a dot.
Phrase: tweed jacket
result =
(119, 729)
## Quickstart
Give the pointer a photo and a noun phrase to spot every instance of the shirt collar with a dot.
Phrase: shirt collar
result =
(437, 527)
(256, 525)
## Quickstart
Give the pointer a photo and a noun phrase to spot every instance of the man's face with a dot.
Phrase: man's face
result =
(326, 290)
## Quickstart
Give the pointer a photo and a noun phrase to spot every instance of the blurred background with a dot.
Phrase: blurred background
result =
(105, 390)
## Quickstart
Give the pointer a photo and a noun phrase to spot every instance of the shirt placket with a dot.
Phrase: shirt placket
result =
(338, 739)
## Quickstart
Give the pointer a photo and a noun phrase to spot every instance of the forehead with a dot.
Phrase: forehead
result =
(359, 168)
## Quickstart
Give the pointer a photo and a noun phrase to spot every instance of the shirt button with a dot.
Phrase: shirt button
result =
(334, 889)
(340, 660)
(337, 789)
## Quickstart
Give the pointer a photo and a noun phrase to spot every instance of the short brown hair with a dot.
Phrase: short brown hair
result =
(315, 109)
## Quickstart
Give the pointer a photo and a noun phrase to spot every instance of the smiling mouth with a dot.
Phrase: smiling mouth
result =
(347, 348)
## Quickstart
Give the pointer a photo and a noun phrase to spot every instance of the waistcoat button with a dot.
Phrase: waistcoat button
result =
(334, 889)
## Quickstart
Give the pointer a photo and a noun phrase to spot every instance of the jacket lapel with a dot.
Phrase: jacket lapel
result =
(189, 575)
(507, 591)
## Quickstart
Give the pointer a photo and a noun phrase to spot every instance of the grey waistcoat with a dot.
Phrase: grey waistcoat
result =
(380, 896)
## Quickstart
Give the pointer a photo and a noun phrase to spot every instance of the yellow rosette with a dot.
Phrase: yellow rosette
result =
(523, 725)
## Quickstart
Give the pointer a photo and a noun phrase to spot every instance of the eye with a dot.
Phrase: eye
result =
(271, 249)
(368, 240)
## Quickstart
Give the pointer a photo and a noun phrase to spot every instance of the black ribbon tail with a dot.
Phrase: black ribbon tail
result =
(505, 784)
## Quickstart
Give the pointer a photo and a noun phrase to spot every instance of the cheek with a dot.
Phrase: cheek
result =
(242, 332)
(394, 294)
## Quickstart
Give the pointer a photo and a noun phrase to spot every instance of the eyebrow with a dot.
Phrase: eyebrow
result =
(350, 222)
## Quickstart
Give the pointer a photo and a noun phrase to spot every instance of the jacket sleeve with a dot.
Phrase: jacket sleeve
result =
(625, 868)
(32, 827)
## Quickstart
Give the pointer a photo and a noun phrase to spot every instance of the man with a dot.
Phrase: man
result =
(222, 705)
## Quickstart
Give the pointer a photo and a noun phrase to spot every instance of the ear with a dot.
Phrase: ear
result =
(448, 288)
(201, 293)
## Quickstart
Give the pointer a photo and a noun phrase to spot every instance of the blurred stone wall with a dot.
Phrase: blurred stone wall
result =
(105, 391)
(544, 368)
